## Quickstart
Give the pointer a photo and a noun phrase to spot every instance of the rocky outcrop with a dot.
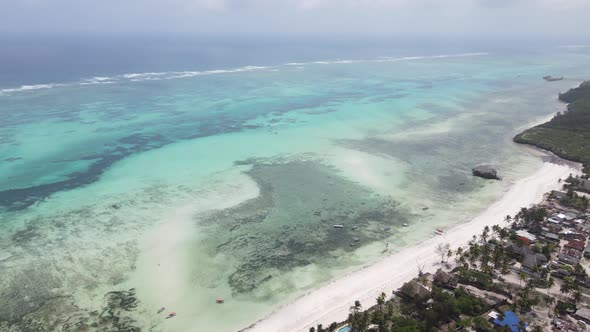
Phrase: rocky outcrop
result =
(486, 172)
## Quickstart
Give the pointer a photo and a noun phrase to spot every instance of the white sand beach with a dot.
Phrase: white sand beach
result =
(331, 302)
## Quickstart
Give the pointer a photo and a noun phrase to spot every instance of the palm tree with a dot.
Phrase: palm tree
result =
(577, 296)
(522, 277)
(579, 269)
(565, 286)
(504, 234)
(496, 229)
(357, 305)
(550, 303)
(332, 327)
(458, 255)
(508, 219)
(485, 233)
(550, 283)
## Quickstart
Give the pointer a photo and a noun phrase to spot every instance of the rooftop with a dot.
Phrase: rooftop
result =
(583, 313)
(575, 244)
(533, 261)
(571, 252)
(510, 320)
(527, 235)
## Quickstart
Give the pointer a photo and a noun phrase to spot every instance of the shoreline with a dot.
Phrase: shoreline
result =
(331, 302)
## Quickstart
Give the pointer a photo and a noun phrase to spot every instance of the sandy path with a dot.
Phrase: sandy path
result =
(331, 302)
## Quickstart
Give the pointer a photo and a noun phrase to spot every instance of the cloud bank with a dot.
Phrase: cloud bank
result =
(299, 17)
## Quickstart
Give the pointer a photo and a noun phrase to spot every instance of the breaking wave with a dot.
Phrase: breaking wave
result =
(31, 87)
(389, 59)
(157, 76)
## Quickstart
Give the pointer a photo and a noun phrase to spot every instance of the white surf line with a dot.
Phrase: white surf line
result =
(331, 302)
(386, 59)
(157, 76)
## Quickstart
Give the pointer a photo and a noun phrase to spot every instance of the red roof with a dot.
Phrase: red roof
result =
(571, 252)
(575, 244)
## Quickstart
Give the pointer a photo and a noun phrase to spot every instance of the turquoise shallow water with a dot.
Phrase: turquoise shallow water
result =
(189, 186)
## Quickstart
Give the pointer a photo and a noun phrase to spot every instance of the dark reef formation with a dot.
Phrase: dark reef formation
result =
(291, 223)
(486, 172)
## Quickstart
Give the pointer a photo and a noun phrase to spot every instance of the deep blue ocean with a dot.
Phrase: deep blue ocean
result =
(26, 60)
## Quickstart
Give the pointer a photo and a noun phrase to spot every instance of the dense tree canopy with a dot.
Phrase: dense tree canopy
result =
(567, 134)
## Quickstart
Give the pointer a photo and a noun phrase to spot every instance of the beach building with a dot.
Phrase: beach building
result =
(508, 319)
(520, 250)
(576, 244)
(414, 290)
(558, 194)
(552, 237)
(565, 326)
(560, 273)
(525, 236)
(584, 228)
(444, 279)
(584, 185)
(532, 263)
(574, 236)
(570, 256)
(559, 216)
(583, 314)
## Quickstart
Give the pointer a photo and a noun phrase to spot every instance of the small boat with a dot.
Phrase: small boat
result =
(405, 225)
(219, 301)
(354, 227)
(356, 239)
(552, 79)
(171, 315)
(161, 309)
(352, 244)
(338, 226)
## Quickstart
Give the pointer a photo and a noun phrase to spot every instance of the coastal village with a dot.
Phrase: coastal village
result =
(532, 274)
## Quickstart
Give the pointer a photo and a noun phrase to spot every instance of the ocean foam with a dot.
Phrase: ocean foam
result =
(156, 76)
(23, 88)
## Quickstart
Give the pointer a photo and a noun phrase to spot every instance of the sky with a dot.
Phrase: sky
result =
(497, 18)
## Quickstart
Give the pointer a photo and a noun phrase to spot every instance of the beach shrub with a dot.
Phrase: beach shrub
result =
(469, 304)
(404, 324)
(476, 278)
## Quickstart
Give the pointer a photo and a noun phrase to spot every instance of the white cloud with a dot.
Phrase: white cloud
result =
(363, 17)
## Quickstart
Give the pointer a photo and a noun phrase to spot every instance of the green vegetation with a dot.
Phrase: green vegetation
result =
(580, 92)
(460, 299)
(417, 315)
(572, 199)
(567, 134)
